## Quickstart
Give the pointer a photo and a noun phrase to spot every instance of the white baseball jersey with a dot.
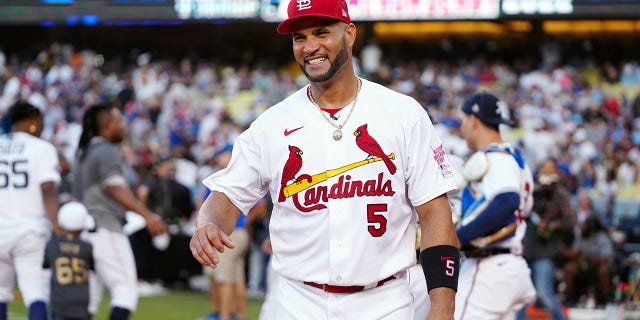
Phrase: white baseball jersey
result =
(342, 213)
(25, 163)
(504, 174)
(497, 286)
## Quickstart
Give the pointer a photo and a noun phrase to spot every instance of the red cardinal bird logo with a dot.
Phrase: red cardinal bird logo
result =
(291, 168)
(369, 145)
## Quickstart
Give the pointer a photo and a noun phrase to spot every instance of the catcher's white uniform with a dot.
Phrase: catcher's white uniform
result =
(494, 280)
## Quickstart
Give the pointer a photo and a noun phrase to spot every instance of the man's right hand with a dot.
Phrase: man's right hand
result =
(206, 242)
(155, 224)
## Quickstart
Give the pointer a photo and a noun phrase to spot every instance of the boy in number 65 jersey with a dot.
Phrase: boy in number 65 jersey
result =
(70, 259)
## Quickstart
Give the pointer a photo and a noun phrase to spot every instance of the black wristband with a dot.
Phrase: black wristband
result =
(441, 266)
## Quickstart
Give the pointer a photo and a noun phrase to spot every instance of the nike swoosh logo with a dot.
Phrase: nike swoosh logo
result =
(288, 132)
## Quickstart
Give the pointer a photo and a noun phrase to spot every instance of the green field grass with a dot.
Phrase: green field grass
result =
(176, 305)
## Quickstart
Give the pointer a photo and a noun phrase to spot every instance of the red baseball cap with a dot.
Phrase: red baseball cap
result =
(334, 9)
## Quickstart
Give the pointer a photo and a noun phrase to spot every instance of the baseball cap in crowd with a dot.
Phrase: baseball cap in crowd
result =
(487, 108)
(226, 148)
(333, 9)
(73, 216)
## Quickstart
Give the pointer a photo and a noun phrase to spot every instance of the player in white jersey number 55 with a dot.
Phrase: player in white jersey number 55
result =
(29, 174)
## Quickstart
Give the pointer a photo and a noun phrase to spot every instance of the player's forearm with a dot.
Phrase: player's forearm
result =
(127, 200)
(219, 210)
(436, 224)
(440, 258)
(51, 204)
(442, 303)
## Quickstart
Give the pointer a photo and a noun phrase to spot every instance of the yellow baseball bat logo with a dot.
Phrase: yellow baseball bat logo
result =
(304, 184)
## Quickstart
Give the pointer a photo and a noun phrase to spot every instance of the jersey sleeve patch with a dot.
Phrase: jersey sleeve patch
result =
(439, 155)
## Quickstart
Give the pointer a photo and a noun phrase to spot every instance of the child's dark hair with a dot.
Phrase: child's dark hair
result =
(18, 112)
(93, 119)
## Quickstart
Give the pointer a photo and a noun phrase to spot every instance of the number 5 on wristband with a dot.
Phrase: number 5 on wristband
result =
(441, 266)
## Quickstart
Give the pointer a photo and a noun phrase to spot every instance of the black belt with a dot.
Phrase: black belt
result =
(486, 252)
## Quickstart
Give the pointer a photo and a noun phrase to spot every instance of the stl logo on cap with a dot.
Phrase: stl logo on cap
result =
(329, 9)
(304, 4)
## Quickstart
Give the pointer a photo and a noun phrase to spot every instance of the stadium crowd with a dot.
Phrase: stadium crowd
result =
(585, 114)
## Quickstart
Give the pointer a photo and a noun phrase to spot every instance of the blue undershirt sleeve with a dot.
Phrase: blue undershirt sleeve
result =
(496, 215)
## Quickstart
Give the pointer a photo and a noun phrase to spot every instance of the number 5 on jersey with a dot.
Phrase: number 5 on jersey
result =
(376, 221)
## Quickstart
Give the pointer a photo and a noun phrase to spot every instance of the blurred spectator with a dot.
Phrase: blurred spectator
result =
(3, 62)
(541, 143)
(267, 309)
(165, 195)
(258, 229)
(371, 57)
(186, 171)
(10, 90)
(146, 79)
(584, 210)
(630, 225)
(126, 94)
(228, 281)
(172, 201)
(587, 176)
(591, 258)
(59, 72)
(549, 234)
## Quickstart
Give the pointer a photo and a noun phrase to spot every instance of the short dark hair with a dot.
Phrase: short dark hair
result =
(18, 112)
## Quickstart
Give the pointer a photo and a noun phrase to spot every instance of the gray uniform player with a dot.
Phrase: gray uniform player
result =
(102, 187)
(70, 259)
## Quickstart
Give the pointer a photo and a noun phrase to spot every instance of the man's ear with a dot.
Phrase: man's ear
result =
(350, 34)
(475, 122)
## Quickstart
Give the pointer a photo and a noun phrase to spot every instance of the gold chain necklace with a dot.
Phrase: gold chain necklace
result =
(337, 134)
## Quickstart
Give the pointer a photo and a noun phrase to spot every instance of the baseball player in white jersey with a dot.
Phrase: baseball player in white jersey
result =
(29, 174)
(348, 163)
(494, 278)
